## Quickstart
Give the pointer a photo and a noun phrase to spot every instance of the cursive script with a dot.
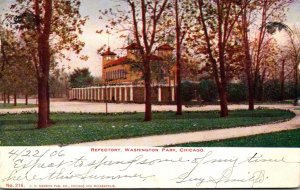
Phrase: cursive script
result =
(199, 169)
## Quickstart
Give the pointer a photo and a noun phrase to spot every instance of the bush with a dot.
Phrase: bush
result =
(289, 90)
(187, 91)
(237, 92)
(272, 90)
(208, 91)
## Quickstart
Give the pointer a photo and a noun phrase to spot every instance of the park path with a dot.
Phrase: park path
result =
(95, 107)
(162, 140)
(201, 136)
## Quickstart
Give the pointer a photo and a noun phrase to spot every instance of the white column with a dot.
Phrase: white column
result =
(91, 94)
(159, 93)
(110, 94)
(125, 94)
(102, 95)
(99, 91)
(86, 94)
(115, 93)
(131, 93)
(120, 94)
(173, 93)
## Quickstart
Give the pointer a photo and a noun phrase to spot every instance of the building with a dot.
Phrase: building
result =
(125, 84)
(120, 70)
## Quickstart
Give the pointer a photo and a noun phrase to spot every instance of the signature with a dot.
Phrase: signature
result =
(38, 165)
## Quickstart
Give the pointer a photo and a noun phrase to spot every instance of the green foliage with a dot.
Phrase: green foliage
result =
(289, 90)
(237, 92)
(187, 91)
(272, 90)
(279, 139)
(75, 128)
(208, 90)
(81, 78)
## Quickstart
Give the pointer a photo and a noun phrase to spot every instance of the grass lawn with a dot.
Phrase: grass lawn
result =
(19, 129)
(278, 139)
(11, 106)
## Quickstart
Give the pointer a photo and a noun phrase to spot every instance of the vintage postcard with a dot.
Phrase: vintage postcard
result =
(102, 94)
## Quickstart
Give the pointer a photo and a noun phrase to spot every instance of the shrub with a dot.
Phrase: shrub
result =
(237, 92)
(272, 90)
(187, 91)
(208, 90)
(289, 90)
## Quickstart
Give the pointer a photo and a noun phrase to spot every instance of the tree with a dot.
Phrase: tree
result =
(270, 14)
(181, 31)
(81, 78)
(145, 38)
(219, 18)
(246, 12)
(48, 27)
(293, 50)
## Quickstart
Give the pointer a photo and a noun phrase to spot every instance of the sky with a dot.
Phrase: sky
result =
(94, 41)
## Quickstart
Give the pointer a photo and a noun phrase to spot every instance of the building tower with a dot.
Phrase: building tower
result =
(132, 50)
(107, 57)
(165, 50)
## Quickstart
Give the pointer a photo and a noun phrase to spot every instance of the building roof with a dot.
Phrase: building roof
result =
(119, 61)
(108, 52)
(132, 46)
(165, 47)
(125, 60)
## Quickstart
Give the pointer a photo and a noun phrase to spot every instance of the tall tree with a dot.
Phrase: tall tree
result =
(246, 15)
(182, 23)
(293, 50)
(270, 13)
(47, 27)
(148, 14)
(219, 17)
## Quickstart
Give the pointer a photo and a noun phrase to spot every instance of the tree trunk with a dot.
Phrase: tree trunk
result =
(248, 61)
(48, 104)
(223, 102)
(8, 99)
(26, 99)
(42, 103)
(15, 99)
(296, 84)
(223, 84)
(4, 98)
(178, 63)
(44, 62)
(170, 90)
(282, 76)
(148, 107)
(261, 86)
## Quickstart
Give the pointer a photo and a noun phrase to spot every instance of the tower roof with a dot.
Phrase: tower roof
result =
(165, 47)
(108, 52)
(132, 46)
